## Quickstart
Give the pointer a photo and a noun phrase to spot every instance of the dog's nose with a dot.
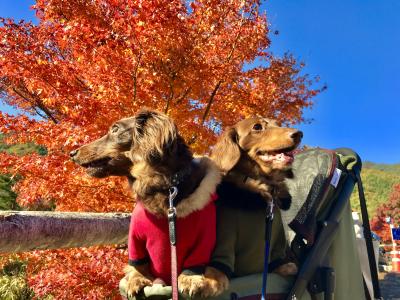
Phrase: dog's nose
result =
(73, 153)
(297, 135)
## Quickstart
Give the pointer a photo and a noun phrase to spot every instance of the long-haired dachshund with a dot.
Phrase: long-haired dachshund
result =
(255, 156)
(148, 149)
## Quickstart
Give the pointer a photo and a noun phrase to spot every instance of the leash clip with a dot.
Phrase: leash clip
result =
(270, 210)
(173, 191)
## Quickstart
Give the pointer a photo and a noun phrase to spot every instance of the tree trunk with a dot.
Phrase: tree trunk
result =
(33, 230)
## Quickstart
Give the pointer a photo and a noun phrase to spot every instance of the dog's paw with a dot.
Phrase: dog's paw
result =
(287, 269)
(135, 283)
(215, 283)
(190, 284)
(284, 203)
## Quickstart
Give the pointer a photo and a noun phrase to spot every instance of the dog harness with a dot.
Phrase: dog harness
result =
(149, 240)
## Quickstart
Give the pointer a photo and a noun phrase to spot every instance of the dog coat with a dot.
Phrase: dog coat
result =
(149, 240)
(241, 230)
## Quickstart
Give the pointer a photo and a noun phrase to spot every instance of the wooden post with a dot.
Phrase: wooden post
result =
(32, 230)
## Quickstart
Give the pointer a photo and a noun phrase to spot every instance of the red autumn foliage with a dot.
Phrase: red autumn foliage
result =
(381, 228)
(391, 209)
(84, 273)
(88, 63)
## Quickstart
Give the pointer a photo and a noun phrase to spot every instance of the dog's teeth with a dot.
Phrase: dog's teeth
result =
(280, 157)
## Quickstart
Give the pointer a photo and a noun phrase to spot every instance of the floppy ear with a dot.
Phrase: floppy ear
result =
(226, 152)
(153, 135)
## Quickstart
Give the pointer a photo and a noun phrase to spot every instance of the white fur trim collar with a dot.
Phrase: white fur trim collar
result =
(202, 195)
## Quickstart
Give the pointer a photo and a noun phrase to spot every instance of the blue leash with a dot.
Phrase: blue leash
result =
(268, 228)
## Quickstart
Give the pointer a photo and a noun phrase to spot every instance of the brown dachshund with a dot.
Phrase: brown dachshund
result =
(148, 149)
(109, 155)
(255, 156)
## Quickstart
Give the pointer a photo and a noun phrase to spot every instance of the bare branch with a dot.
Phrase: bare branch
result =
(210, 101)
(34, 100)
(183, 96)
(135, 78)
(217, 86)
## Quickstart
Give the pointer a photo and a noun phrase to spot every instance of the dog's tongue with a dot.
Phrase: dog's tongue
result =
(280, 157)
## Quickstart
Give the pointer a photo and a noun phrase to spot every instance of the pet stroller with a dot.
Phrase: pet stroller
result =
(319, 229)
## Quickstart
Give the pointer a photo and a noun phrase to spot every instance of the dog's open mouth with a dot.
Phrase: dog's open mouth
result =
(281, 156)
(98, 163)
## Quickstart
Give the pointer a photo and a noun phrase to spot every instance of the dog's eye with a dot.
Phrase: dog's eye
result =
(114, 129)
(257, 127)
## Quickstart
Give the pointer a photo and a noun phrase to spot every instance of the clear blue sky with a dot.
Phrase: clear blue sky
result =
(354, 46)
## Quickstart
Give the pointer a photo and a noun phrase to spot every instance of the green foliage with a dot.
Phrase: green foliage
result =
(377, 185)
(13, 285)
(7, 196)
(21, 149)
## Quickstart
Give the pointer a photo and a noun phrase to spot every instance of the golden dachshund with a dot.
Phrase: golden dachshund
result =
(255, 157)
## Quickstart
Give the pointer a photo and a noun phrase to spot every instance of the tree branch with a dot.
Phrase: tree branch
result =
(35, 101)
(210, 101)
(183, 96)
(135, 79)
(170, 96)
(217, 86)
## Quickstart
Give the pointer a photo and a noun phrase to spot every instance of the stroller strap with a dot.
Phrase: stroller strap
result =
(268, 228)
(368, 238)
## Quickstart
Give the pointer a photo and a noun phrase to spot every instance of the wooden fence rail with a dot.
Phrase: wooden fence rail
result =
(32, 230)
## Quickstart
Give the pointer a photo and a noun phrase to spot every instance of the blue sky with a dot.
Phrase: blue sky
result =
(354, 46)
(16, 10)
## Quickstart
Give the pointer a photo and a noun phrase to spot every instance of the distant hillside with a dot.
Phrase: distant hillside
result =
(21, 149)
(391, 168)
(378, 180)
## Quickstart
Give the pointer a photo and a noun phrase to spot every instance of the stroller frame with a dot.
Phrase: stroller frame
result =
(322, 279)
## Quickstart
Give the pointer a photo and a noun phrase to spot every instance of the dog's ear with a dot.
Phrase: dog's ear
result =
(226, 152)
(154, 135)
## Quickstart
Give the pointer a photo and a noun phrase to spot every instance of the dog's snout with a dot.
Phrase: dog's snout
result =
(73, 153)
(297, 135)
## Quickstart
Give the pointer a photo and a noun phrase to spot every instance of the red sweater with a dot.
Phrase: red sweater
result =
(149, 240)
